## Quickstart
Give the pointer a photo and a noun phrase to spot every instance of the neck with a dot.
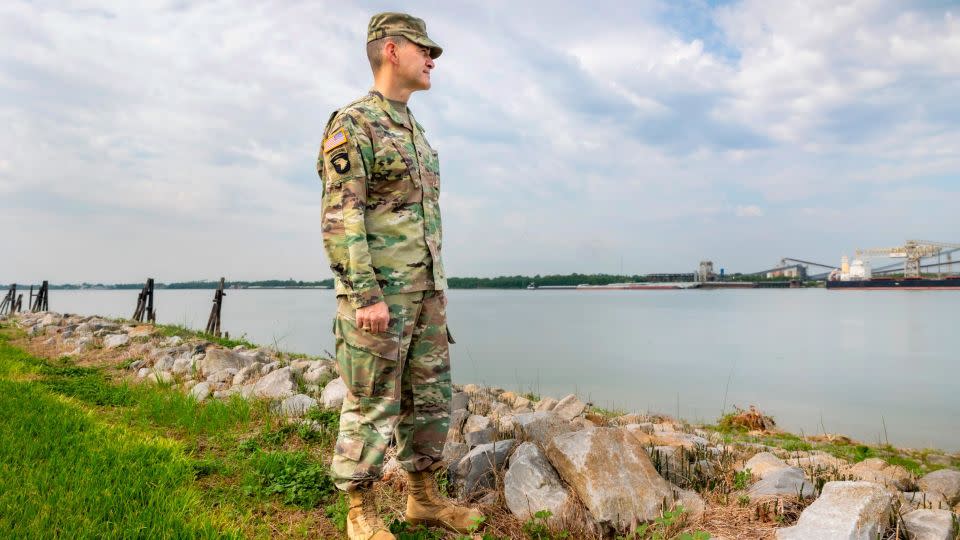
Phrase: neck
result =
(390, 88)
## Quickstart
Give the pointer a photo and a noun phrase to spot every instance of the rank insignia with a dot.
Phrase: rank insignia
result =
(340, 162)
(337, 139)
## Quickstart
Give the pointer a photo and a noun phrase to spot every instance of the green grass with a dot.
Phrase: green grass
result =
(170, 330)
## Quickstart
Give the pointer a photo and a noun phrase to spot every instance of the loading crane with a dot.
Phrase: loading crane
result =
(913, 251)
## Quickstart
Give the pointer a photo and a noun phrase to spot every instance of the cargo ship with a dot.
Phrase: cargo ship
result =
(857, 276)
(645, 286)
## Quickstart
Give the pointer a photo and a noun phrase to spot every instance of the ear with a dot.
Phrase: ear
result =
(391, 52)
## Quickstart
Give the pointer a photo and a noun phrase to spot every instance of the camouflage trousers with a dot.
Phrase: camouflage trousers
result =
(398, 386)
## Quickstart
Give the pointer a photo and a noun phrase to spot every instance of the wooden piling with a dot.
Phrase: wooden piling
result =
(145, 304)
(213, 322)
(40, 302)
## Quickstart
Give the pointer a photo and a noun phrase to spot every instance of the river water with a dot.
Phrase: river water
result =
(844, 361)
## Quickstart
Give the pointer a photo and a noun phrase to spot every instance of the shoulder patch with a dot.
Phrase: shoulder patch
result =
(339, 138)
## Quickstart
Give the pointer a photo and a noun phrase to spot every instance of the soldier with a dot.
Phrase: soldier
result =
(381, 232)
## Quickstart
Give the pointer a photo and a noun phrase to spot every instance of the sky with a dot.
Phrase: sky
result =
(178, 140)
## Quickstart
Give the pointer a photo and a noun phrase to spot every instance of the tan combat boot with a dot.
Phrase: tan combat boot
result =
(425, 506)
(363, 522)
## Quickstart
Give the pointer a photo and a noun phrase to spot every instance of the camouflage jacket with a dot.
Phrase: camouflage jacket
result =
(381, 212)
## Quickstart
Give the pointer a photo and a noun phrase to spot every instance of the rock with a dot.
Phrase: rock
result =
(182, 366)
(143, 372)
(638, 432)
(166, 363)
(113, 341)
(459, 400)
(539, 427)
(945, 482)
(475, 472)
(879, 471)
(333, 394)
(612, 474)
(224, 376)
(188, 385)
(764, 463)
(782, 482)
(453, 452)
(844, 511)
(50, 319)
(247, 374)
(478, 430)
(317, 373)
(569, 407)
(817, 460)
(930, 524)
(161, 377)
(224, 393)
(531, 485)
(939, 459)
(217, 359)
(498, 409)
(298, 405)
(457, 419)
(545, 404)
(679, 438)
(141, 331)
(918, 500)
(692, 502)
(473, 389)
(84, 328)
(269, 368)
(171, 341)
(521, 403)
(136, 365)
(276, 385)
(301, 366)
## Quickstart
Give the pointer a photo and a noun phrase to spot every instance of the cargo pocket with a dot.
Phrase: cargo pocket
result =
(368, 362)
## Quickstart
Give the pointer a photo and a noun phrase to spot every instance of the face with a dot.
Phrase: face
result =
(414, 65)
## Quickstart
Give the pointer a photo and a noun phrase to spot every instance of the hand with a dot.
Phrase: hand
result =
(374, 319)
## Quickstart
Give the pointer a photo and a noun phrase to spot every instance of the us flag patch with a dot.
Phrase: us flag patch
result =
(335, 140)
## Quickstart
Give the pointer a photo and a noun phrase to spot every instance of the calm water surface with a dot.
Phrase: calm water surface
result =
(845, 361)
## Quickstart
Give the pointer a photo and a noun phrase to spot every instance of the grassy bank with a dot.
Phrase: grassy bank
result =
(82, 455)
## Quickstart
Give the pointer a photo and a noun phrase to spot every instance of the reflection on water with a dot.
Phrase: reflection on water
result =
(856, 359)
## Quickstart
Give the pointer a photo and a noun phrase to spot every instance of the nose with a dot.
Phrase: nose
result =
(429, 63)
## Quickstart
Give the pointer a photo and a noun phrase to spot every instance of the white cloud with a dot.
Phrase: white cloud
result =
(748, 211)
(567, 136)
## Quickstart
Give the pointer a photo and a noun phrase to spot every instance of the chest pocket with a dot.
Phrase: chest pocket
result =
(394, 179)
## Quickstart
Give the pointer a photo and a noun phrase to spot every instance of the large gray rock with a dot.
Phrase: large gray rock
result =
(201, 391)
(920, 500)
(764, 463)
(453, 452)
(844, 511)
(459, 400)
(945, 481)
(531, 485)
(476, 472)
(457, 419)
(569, 407)
(783, 482)
(247, 374)
(539, 427)
(879, 471)
(317, 373)
(333, 394)
(545, 404)
(930, 525)
(224, 376)
(478, 430)
(612, 474)
(298, 405)
(220, 359)
(276, 385)
(113, 341)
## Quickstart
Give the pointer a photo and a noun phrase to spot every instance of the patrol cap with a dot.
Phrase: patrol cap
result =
(400, 24)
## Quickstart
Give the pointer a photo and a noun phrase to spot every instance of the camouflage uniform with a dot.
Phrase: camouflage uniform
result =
(381, 232)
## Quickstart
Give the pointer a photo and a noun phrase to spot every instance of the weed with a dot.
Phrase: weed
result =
(742, 479)
(536, 527)
(743, 500)
(293, 475)
(337, 511)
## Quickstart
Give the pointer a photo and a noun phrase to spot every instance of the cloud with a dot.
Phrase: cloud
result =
(749, 211)
(180, 139)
